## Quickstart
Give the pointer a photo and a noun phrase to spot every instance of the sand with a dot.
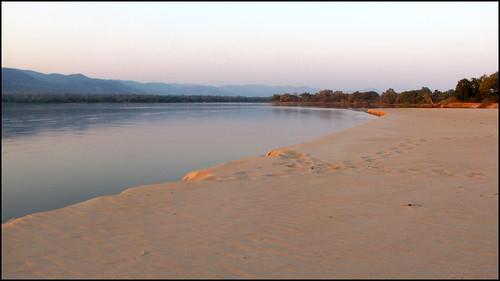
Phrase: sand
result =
(412, 194)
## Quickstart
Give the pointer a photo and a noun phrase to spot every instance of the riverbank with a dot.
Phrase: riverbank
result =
(413, 194)
(384, 105)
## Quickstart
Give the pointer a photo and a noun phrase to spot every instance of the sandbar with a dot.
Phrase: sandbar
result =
(412, 194)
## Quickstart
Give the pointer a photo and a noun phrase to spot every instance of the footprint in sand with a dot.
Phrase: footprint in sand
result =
(442, 172)
(239, 175)
(475, 175)
(406, 147)
(410, 142)
(413, 205)
(349, 164)
(335, 167)
(415, 170)
(368, 158)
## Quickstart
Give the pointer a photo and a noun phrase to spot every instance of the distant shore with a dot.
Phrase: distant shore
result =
(383, 105)
(124, 98)
(412, 194)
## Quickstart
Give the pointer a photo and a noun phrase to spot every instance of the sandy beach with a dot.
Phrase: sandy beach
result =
(412, 194)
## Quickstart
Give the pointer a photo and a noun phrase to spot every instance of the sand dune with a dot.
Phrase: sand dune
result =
(411, 195)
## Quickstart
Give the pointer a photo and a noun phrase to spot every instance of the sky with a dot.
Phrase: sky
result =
(329, 45)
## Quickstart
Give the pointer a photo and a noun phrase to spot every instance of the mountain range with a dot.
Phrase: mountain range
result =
(18, 81)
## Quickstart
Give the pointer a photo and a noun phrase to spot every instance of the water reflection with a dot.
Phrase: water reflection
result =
(322, 113)
(31, 119)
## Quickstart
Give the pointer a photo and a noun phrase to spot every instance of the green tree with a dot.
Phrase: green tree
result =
(339, 96)
(463, 90)
(410, 97)
(475, 96)
(325, 95)
(488, 87)
(288, 98)
(426, 95)
(305, 97)
(389, 96)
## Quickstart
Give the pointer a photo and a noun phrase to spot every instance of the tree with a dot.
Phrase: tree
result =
(339, 96)
(369, 97)
(411, 97)
(305, 97)
(475, 96)
(325, 95)
(488, 87)
(389, 96)
(463, 90)
(425, 95)
(436, 96)
(288, 97)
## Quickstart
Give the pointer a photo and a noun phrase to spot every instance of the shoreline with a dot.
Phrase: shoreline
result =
(272, 225)
(357, 105)
(179, 177)
(205, 173)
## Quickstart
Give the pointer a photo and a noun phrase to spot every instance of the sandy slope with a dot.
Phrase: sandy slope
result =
(335, 207)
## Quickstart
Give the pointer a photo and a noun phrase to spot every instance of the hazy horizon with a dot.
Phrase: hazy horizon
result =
(338, 46)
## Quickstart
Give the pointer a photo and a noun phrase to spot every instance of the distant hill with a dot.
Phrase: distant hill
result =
(370, 90)
(17, 81)
(364, 90)
(173, 89)
(31, 82)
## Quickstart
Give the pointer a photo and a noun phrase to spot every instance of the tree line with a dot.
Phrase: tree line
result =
(80, 98)
(483, 90)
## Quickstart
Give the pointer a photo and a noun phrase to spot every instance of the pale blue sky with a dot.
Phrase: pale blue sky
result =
(334, 45)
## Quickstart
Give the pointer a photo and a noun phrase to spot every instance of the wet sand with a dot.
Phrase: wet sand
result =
(412, 194)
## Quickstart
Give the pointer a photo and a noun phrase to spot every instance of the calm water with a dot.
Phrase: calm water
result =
(56, 155)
